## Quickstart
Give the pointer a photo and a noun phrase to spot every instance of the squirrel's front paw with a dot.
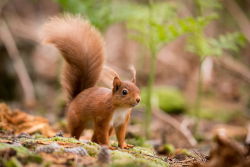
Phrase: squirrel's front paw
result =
(126, 146)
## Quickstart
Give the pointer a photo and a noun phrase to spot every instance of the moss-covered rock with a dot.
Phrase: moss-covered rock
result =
(168, 99)
(19, 149)
(136, 157)
(23, 155)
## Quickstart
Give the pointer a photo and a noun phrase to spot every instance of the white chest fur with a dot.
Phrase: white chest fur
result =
(119, 116)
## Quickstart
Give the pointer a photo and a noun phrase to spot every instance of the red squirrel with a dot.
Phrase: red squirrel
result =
(82, 48)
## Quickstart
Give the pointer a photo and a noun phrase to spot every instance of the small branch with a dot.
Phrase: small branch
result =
(2, 4)
(23, 28)
(21, 71)
(239, 17)
(237, 68)
(247, 141)
(176, 125)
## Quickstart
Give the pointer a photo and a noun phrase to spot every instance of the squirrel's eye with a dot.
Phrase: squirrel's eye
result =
(124, 92)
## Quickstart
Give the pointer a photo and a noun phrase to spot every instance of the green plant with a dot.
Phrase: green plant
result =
(159, 25)
(202, 45)
(155, 25)
(99, 12)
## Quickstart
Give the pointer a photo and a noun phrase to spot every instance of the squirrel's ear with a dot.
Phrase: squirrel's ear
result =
(133, 80)
(133, 71)
(116, 84)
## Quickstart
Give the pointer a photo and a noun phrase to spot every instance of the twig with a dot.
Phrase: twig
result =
(23, 28)
(237, 68)
(248, 135)
(2, 4)
(239, 17)
(18, 63)
(175, 124)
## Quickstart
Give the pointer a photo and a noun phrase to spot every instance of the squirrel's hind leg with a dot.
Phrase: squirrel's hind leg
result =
(101, 133)
(94, 138)
(76, 131)
(95, 135)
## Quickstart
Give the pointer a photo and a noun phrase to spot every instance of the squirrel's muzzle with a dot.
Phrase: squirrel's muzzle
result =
(138, 99)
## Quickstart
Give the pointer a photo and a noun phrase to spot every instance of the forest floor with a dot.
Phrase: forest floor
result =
(27, 140)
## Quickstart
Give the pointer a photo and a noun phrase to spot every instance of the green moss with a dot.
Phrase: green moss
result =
(52, 139)
(141, 151)
(186, 152)
(47, 164)
(37, 136)
(169, 148)
(138, 141)
(168, 99)
(12, 162)
(61, 139)
(19, 149)
(114, 144)
(136, 157)
(24, 155)
(93, 144)
(92, 150)
(120, 158)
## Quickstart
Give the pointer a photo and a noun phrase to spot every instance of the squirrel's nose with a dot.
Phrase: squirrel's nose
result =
(138, 99)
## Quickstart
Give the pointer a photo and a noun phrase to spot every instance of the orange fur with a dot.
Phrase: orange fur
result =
(82, 48)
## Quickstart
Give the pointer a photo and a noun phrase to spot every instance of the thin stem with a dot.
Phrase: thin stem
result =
(198, 97)
(149, 95)
(151, 79)
(198, 8)
(199, 91)
(25, 81)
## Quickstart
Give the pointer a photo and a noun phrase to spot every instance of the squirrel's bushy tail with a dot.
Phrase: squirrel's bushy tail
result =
(81, 45)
